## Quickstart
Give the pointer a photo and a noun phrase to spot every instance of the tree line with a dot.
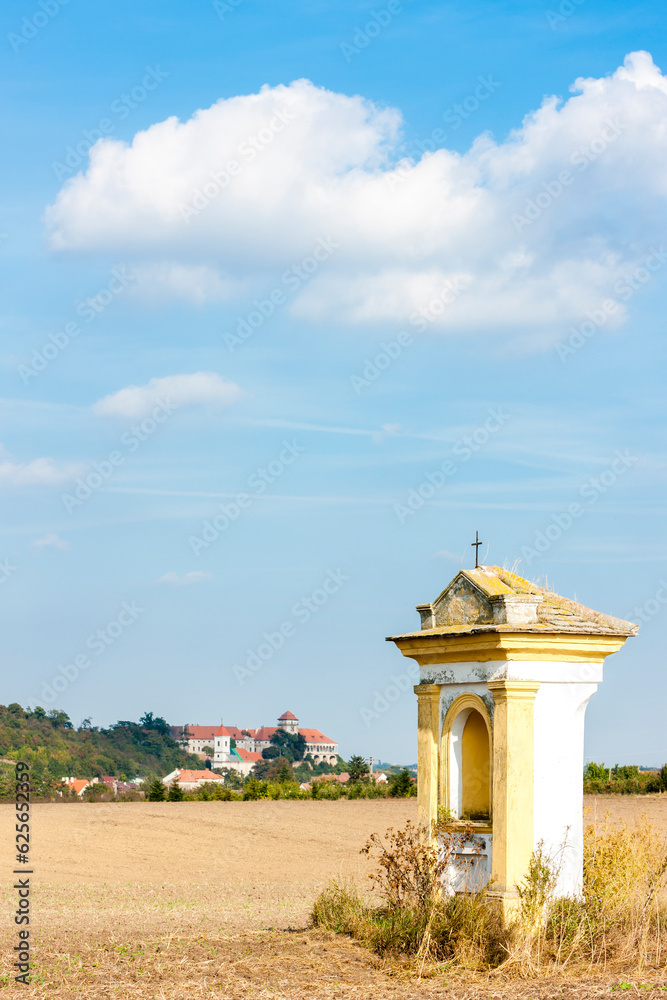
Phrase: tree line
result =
(623, 779)
(49, 742)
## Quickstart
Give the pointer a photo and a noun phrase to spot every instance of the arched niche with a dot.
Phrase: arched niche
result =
(466, 755)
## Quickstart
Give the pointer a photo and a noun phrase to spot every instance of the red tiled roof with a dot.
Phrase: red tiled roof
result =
(235, 733)
(77, 785)
(240, 734)
(204, 732)
(266, 732)
(314, 736)
(199, 776)
(287, 715)
(127, 786)
(248, 755)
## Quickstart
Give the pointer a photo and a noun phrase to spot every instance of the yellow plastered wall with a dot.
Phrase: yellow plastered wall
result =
(428, 716)
(513, 781)
(475, 768)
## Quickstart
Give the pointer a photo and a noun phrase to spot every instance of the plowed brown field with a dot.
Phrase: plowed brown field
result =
(176, 900)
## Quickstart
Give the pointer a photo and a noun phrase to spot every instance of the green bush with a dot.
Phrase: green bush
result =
(626, 779)
(291, 790)
(254, 789)
(356, 790)
(98, 792)
(326, 790)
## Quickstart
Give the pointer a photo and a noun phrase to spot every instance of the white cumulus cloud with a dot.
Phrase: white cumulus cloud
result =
(196, 576)
(135, 401)
(521, 236)
(38, 472)
(51, 541)
(196, 285)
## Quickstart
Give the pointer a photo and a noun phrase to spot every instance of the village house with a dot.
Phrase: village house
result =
(246, 761)
(76, 785)
(115, 785)
(190, 780)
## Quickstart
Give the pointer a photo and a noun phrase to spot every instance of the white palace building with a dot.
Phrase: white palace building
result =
(249, 743)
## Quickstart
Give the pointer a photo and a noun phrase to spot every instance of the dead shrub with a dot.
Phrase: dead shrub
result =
(620, 917)
(414, 918)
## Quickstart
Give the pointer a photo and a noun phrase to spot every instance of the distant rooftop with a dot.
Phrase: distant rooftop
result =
(491, 599)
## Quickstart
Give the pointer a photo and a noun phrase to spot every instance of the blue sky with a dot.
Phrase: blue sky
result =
(319, 253)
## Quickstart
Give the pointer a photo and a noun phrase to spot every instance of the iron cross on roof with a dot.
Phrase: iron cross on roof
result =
(476, 544)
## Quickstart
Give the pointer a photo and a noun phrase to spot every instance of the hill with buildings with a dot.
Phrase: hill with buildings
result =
(242, 749)
(52, 746)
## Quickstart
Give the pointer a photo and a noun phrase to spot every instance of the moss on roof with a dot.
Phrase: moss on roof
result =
(554, 614)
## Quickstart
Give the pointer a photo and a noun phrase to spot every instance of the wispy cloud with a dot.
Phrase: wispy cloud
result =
(38, 472)
(51, 541)
(136, 401)
(193, 284)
